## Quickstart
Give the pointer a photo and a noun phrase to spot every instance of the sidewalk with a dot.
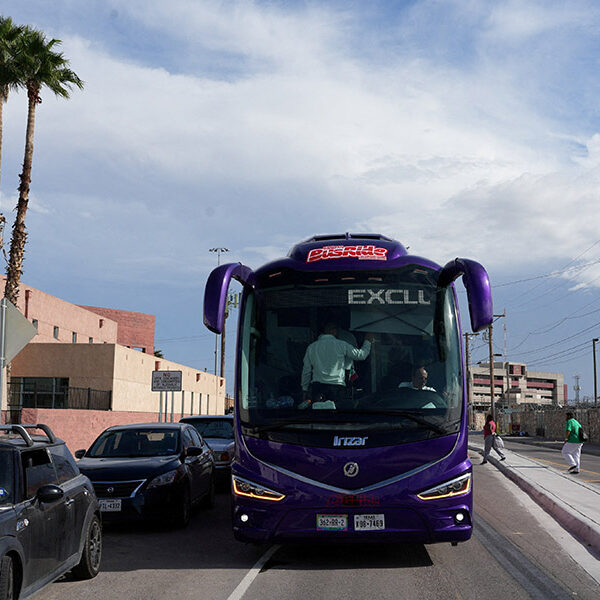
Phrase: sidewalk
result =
(588, 447)
(573, 503)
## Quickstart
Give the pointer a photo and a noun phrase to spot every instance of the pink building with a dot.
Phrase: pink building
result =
(90, 367)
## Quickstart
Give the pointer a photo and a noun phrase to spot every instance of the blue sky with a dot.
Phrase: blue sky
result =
(461, 128)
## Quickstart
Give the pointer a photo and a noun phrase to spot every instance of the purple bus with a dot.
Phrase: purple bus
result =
(381, 453)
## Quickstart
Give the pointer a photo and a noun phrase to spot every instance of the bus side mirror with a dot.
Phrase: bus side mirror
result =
(217, 288)
(477, 284)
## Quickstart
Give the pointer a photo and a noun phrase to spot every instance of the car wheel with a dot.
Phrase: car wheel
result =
(7, 580)
(209, 500)
(89, 565)
(184, 510)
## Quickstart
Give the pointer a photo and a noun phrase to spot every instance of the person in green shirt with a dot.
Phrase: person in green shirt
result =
(572, 447)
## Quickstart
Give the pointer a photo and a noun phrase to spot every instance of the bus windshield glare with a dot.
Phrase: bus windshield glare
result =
(408, 387)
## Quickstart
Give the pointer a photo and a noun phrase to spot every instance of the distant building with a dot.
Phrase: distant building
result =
(515, 385)
(90, 367)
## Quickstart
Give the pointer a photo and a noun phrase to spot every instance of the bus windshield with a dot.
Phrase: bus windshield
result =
(406, 384)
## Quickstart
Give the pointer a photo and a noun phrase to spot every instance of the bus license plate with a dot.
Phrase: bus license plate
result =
(369, 522)
(332, 522)
(110, 505)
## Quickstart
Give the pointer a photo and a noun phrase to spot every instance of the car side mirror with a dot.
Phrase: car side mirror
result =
(79, 453)
(49, 493)
(194, 451)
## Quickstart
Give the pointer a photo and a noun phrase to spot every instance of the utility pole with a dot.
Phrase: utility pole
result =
(468, 375)
(218, 251)
(577, 388)
(492, 403)
(595, 376)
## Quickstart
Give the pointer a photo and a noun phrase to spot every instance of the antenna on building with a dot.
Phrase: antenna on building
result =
(577, 388)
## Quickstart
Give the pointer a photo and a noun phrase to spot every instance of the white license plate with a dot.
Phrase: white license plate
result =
(369, 522)
(110, 505)
(332, 522)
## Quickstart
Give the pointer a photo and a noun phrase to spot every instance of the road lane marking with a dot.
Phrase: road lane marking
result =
(245, 583)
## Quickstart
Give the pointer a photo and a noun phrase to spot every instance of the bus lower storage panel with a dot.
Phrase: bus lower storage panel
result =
(272, 524)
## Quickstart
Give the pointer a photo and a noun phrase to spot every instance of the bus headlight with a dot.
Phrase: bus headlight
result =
(455, 487)
(243, 487)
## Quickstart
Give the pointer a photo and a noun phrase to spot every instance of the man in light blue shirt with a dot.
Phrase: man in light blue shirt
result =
(324, 369)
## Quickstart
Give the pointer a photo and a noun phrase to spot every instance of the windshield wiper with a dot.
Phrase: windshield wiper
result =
(405, 414)
(296, 421)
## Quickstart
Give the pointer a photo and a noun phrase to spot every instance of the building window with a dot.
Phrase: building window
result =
(55, 332)
(91, 340)
(34, 322)
(74, 337)
(100, 323)
(40, 392)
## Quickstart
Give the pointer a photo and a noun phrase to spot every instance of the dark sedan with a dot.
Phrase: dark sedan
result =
(217, 432)
(150, 471)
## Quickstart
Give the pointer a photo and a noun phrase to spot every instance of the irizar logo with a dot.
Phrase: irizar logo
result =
(349, 441)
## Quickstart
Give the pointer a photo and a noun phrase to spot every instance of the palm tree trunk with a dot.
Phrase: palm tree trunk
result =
(2, 101)
(19, 235)
(3, 98)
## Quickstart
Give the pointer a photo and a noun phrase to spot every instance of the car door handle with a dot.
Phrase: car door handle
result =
(69, 501)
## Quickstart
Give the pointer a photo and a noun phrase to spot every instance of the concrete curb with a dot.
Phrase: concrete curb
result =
(577, 525)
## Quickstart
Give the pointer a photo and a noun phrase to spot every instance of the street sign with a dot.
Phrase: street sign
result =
(15, 331)
(166, 381)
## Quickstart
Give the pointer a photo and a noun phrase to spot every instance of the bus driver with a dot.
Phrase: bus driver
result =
(324, 365)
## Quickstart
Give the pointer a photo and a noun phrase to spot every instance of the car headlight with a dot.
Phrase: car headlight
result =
(455, 487)
(222, 456)
(164, 479)
(243, 487)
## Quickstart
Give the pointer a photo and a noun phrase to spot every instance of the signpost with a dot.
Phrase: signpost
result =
(167, 381)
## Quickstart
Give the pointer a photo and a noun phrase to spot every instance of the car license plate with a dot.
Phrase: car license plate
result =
(332, 522)
(110, 505)
(369, 522)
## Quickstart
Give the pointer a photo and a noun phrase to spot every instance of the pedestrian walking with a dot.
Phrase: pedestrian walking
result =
(489, 439)
(572, 447)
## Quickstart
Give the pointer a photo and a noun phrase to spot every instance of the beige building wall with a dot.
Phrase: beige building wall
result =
(127, 373)
(48, 312)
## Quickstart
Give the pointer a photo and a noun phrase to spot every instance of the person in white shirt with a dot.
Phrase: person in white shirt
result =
(419, 380)
(324, 369)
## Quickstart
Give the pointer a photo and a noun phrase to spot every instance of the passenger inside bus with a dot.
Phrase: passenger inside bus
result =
(324, 368)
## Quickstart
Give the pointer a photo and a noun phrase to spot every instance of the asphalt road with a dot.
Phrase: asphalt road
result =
(517, 552)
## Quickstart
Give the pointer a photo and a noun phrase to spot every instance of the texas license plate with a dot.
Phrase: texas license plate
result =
(369, 522)
(332, 522)
(110, 505)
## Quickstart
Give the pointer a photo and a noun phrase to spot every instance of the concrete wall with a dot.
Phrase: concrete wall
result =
(79, 428)
(135, 329)
(126, 372)
(89, 365)
(552, 422)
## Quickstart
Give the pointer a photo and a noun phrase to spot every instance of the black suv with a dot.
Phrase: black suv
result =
(49, 514)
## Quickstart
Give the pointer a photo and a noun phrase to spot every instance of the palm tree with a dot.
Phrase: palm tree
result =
(38, 65)
(9, 33)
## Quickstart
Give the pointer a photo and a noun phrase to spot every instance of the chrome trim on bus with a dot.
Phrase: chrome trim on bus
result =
(362, 490)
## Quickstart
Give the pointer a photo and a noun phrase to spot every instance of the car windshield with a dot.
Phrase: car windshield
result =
(6, 477)
(214, 428)
(135, 442)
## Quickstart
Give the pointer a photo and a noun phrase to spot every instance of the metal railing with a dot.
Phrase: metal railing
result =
(26, 395)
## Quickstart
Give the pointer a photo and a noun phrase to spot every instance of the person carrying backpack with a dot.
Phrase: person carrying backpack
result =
(573, 443)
